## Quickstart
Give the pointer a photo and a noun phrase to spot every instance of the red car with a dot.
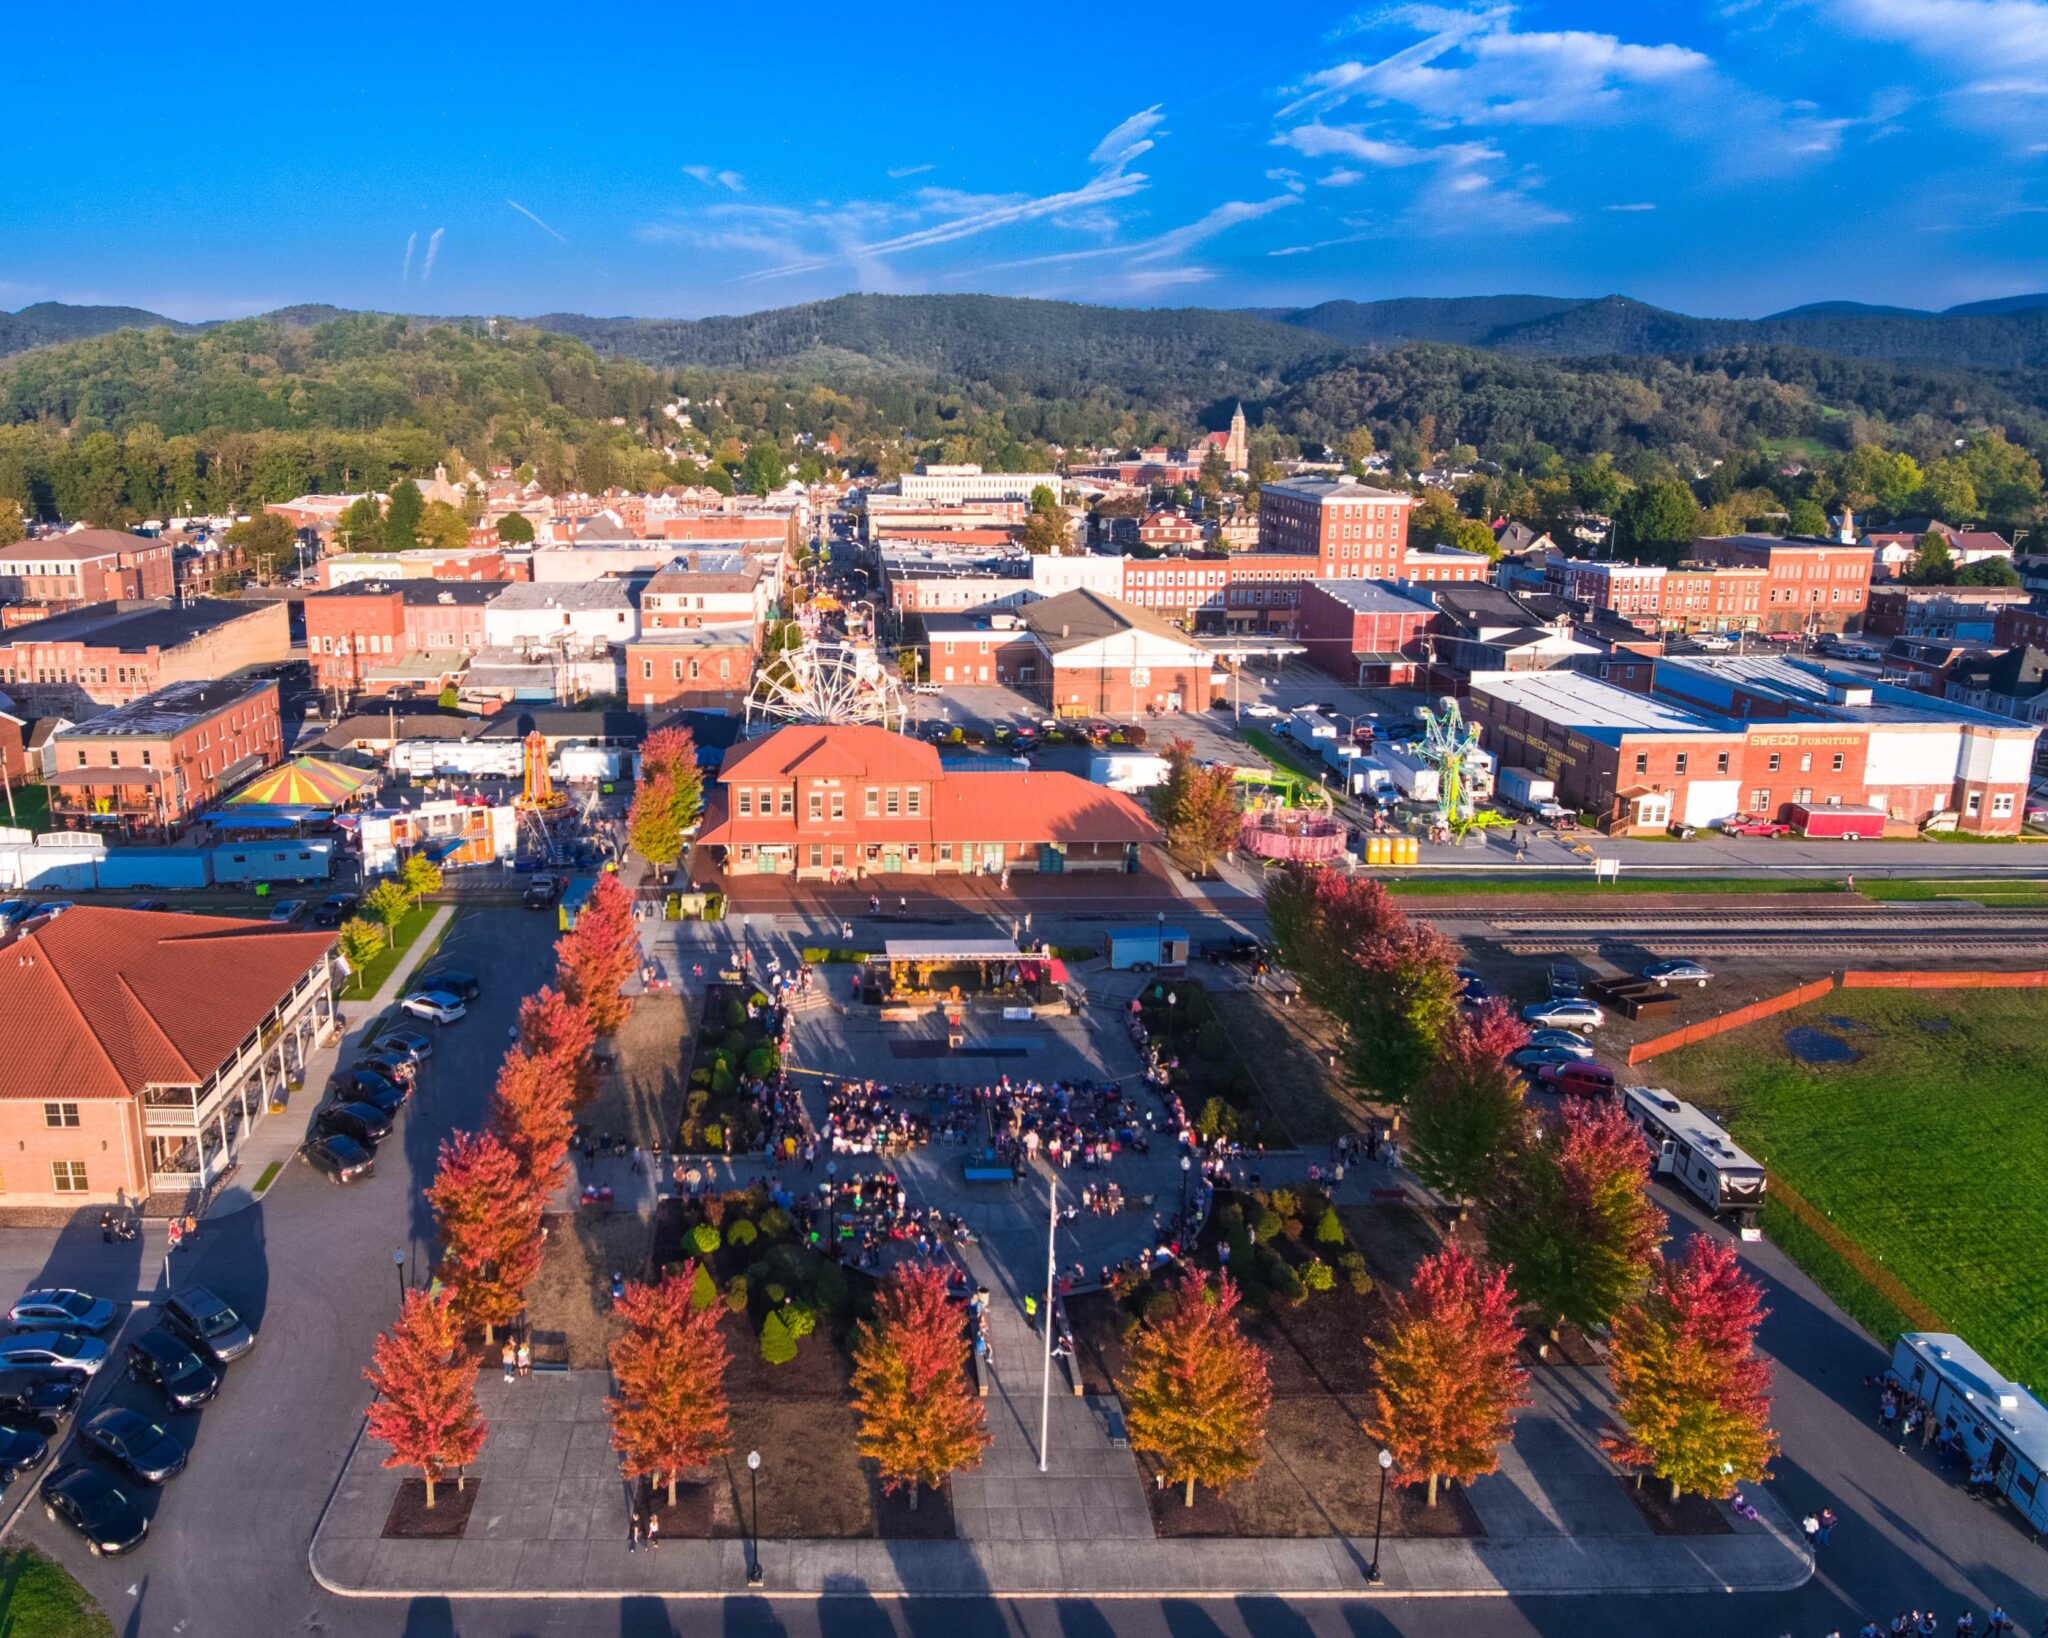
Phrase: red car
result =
(1750, 824)
(1577, 1079)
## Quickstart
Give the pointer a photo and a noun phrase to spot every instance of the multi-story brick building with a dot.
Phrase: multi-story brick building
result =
(956, 485)
(709, 669)
(1354, 531)
(145, 768)
(1364, 632)
(139, 1048)
(368, 637)
(346, 568)
(1102, 657)
(701, 589)
(1961, 614)
(90, 659)
(85, 566)
(1810, 585)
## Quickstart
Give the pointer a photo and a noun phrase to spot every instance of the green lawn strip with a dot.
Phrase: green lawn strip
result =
(371, 978)
(1478, 885)
(1830, 1270)
(38, 1599)
(31, 809)
(1926, 1154)
(1988, 890)
(1279, 753)
(269, 1177)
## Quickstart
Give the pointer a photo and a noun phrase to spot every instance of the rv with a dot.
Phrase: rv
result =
(1688, 1147)
(2000, 1423)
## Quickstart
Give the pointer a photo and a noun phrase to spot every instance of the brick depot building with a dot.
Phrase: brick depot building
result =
(138, 1048)
(1810, 584)
(143, 769)
(85, 566)
(1354, 531)
(836, 803)
(1719, 736)
(91, 659)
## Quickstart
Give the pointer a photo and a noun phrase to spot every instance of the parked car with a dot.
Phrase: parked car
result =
(54, 1350)
(1713, 642)
(1263, 712)
(1238, 949)
(150, 904)
(20, 1450)
(1666, 973)
(13, 910)
(411, 1042)
(1566, 980)
(52, 909)
(438, 1005)
(1681, 830)
(166, 1362)
(1752, 824)
(340, 1159)
(145, 1450)
(1577, 1080)
(335, 909)
(399, 1068)
(364, 1122)
(449, 981)
(1577, 1045)
(1566, 1012)
(61, 1308)
(288, 910)
(387, 1097)
(1535, 1057)
(97, 1507)
(37, 1399)
(209, 1324)
(542, 892)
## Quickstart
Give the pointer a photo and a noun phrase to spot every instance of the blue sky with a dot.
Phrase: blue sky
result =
(1715, 156)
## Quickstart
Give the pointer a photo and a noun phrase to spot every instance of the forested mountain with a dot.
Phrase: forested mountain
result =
(48, 323)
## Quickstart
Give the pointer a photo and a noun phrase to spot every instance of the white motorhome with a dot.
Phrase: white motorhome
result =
(2000, 1423)
(1690, 1148)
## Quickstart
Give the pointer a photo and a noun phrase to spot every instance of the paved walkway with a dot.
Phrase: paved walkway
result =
(280, 1137)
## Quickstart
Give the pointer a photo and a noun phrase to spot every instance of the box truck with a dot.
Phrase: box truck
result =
(1306, 726)
(1412, 777)
(1531, 793)
(1836, 821)
(1126, 773)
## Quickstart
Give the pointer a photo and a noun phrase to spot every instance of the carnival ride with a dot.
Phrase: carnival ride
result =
(824, 682)
(1448, 743)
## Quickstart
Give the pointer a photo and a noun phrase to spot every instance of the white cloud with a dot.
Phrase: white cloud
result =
(1628, 207)
(1987, 36)
(1287, 179)
(1340, 178)
(405, 271)
(731, 181)
(535, 220)
(433, 254)
(897, 173)
(1128, 140)
(1320, 141)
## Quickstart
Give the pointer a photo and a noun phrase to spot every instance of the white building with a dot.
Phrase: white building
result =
(541, 618)
(969, 483)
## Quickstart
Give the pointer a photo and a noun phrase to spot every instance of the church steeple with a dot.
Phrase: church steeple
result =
(1237, 448)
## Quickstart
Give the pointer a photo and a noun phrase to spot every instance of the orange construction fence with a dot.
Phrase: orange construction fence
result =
(1945, 981)
(1741, 1016)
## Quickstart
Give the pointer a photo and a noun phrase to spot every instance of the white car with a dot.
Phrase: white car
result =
(1568, 1012)
(1713, 642)
(1263, 711)
(438, 1005)
(54, 1350)
(61, 1309)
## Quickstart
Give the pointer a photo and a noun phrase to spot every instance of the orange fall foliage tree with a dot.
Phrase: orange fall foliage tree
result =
(919, 1421)
(426, 1386)
(1199, 1391)
(553, 1027)
(487, 1213)
(669, 1414)
(532, 1114)
(596, 956)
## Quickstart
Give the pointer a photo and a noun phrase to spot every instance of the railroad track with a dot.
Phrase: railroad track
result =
(1990, 945)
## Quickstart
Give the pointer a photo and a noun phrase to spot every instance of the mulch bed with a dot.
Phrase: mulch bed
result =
(410, 1519)
(690, 1516)
(1572, 1347)
(931, 1520)
(1688, 1516)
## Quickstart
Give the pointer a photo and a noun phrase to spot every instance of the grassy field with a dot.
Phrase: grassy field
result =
(1473, 885)
(39, 1599)
(371, 978)
(1927, 1155)
(2001, 892)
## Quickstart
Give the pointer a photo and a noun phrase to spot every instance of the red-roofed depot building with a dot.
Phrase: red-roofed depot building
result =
(835, 803)
(137, 1048)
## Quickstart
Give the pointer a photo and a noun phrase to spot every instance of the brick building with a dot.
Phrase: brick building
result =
(715, 588)
(1961, 614)
(85, 566)
(1364, 632)
(91, 659)
(145, 768)
(832, 803)
(710, 669)
(1354, 531)
(359, 636)
(346, 568)
(1810, 585)
(989, 647)
(1101, 657)
(138, 1048)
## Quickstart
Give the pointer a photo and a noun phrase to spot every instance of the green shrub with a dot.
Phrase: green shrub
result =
(778, 1343)
(700, 1077)
(705, 1238)
(776, 1223)
(714, 1134)
(1217, 1119)
(818, 956)
(1352, 1266)
(1319, 1276)
(736, 1046)
(760, 1000)
(1158, 1304)
(1329, 1230)
(742, 1233)
(1288, 1284)
(1240, 1239)
(736, 1293)
(736, 1015)
(721, 1082)
(801, 1318)
(703, 1290)
(832, 1293)
(1285, 1201)
(763, 1061)
(1268, 1225)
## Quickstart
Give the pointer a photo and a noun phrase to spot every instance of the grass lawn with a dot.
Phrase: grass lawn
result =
(1464, 885)
(31, 809)
(1927, 1154)
(39, 1599)
(371, 978)
(1998, 892)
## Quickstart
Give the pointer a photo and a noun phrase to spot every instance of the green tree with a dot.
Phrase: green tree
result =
(1359, 447)
(1933, 563)
(1467, 1111)
(514, 530)
(1215, 473)
(360, 942)
(1658, 519)
(443, 528)
(360, 528)
(1988, 571)
(1804, 517)
(1045, 526)
(652, 822)
(268, 538)
(448, 699)
(12, 525)
(388, 903)
(402, 516)
(765, 468)
(1877, 479)
(1597, 486)
(1951, 492)
(420, 876)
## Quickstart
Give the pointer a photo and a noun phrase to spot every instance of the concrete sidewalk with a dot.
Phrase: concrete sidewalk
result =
(550, 1522)
(280, 1137)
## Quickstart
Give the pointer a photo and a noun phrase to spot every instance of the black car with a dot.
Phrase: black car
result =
(396, 1067)
(463, 986)
(145, 1450)
(150, 904)
(37, 1400)
(340, 1159)
(542, 893)
(209, 1324)
(20, 1450)
(363, 1085)
(1238, 948)
(97, 1507)
(335, 909)
(168, 1364)
(364, 1122)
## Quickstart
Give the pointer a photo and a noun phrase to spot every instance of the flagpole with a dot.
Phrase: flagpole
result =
(1052, 1223)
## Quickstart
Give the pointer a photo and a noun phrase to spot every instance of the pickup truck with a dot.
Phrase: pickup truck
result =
(1751, 824)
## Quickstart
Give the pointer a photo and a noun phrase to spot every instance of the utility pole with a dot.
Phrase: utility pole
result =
(1052, 1223)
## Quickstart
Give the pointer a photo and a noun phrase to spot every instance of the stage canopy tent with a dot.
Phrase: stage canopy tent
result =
(951, 949)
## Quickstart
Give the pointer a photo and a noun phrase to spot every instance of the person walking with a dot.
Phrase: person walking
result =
(510, 1357)
(653, 1527)
(633, 1526)
(1827, 1524)
(525, 1357)
(1031, 1312)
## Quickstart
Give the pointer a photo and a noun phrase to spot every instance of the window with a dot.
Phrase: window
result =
(1838, 762)
(1683, 758)
(746, 803)
(786, 804)
(874, 802)
(60, 1114)
(68, 1176)
(817, 856)
(1974, 805)
(839, 804)
(895, 802)
(913, 800)
(1806, 762)
(1774, 762)
(2001, 807)
(1720, 762)
(647, 671)
(817, 804)
(1760, 801)
(1803, 794)
(945, 853)
(1642, 762)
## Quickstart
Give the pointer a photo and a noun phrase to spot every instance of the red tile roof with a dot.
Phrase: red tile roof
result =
(101, 1002)
(1035, 807)
(846, 750)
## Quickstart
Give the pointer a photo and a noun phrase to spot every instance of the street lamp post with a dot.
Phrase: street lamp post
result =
(831, 1205)
(1372, 1574)
(398, 1263)
(754, 1532)
(1187, 1165)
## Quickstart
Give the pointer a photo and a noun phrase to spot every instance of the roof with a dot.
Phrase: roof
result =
(174, 707)
(1076, 617)
(1481, 605)
(852, 750)
(2018, 1414)
(78, 544)
(1796, 543)
(951, 949)
(696, 637)
(135, 625)
(477, 592)
(1325, 490)
(520, 595)
(101, 1002)
(1374, 597)
(1035, 807)
(1595, 709)
(1820, 693)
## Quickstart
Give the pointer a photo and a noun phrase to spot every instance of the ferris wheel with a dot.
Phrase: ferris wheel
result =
(819, 682)
(1447, 745)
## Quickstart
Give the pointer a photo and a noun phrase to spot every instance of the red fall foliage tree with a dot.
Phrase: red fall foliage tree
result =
(554, 1028)
(426, 1386)
(918, 1420)
(669, 1414)
(487, 1213)
(1692, 1398)
(1199, 1391)
(596, 956)
(532, 1114)
(1447, 1384)
(1468, 1110)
